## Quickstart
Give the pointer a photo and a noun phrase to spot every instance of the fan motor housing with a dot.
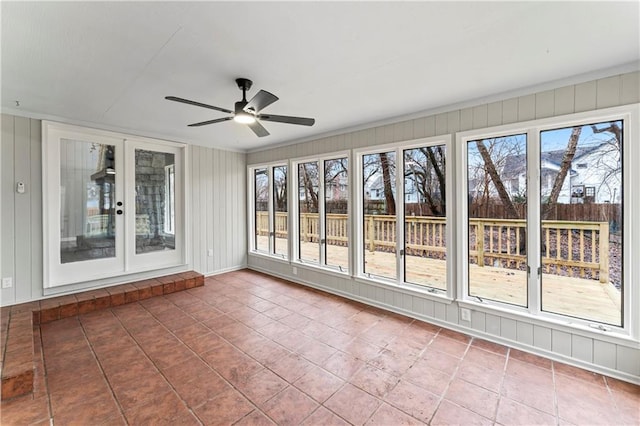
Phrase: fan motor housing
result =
(244, 84)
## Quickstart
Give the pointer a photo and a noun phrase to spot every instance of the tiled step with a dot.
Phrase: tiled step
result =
(18, 321)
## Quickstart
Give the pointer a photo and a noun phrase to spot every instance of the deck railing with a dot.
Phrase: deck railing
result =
(570, 248)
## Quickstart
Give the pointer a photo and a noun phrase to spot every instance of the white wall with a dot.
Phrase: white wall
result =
(217, 209)
(606, 355)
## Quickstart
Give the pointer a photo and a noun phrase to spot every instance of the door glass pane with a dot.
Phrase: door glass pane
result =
(379, 221)
(336, 196)
(281, 217)
(261, 199)
(581, 221)
(87, 201)
(308, 220)
(496, 179)
(425, 261)
(155, 201)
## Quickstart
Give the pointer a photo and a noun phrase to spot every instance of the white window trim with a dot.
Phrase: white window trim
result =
(399, 282)
(631, 209)
(295, 205)
(253, 250)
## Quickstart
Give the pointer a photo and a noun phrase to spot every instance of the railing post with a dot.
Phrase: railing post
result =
(604, 252)
(372, 245)
(480, 242)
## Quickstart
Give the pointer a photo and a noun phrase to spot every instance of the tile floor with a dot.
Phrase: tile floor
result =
(248, 349)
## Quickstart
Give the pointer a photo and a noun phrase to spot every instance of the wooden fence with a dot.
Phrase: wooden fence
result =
(569, 248)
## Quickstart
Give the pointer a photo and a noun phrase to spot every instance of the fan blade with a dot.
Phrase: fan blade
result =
(261, 100)
(187, 101)
(286, 119)
(217, 120)
(258, 129)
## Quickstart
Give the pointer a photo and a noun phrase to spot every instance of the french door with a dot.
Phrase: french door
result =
(113, 205)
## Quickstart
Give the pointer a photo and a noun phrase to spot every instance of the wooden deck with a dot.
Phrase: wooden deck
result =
(577, 297)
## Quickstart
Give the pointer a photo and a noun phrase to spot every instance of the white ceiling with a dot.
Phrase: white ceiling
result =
(111, 64)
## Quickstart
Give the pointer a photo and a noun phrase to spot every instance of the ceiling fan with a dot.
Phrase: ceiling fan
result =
(248, 112)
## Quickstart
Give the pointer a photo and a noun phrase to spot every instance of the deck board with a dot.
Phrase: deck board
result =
(577, 297)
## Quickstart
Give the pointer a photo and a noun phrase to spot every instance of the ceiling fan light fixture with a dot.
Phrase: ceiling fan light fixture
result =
(244, 118)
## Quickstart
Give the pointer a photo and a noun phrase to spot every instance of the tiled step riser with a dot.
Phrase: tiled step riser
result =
(18, 321)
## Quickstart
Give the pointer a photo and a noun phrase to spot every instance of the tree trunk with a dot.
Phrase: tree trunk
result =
(309, 189)
(490, 168)
(440, 174)
(388, 189)
(567, 158)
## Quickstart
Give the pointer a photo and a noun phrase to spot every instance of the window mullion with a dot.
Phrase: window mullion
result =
(533, 221)
(322, 234)
(400, 248)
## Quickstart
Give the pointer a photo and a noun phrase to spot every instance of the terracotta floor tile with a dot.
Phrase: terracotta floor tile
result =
(343, 365)
(89, 411)
(441, 361)
(155, 360)
(226, 408)
(578, 373)
(137, 390)
(450, 414)
(290, 367)
(362, 349)
(422, 374)
(289, 407)
(475, 373)
(486, 359)
(160, 409)
(324, 417)
(473, 397)
(392, 362)
(77, 392)
(352, 404)
(581, 402)
(536, 360)
(413, 400)
(255, 418)
(374, 381)
(388, 415)
(24, 410)
(513, 413)
(489, 346)
(528, 392)
(319, 384)
(262, 386)
(316, 352)
(202, 389)
(449, 346)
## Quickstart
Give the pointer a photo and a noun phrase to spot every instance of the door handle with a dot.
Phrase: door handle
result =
(119, 211)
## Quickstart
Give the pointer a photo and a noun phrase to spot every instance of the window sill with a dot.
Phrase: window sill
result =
(319, 268)
(410, 289)
(613, 335)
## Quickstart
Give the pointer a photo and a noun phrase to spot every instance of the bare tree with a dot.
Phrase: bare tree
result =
(565, 166)
(309, 176)
(490, 168)
(390, 201)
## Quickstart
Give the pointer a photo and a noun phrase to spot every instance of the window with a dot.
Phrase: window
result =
(559, 247)
(582, 245)
(403, 239)
(270, 233)
(322, 221)
(496, 219)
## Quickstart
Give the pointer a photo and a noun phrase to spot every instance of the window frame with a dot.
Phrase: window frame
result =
(630, 304)
(251, 202)
(358, 208)
(295, 207)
